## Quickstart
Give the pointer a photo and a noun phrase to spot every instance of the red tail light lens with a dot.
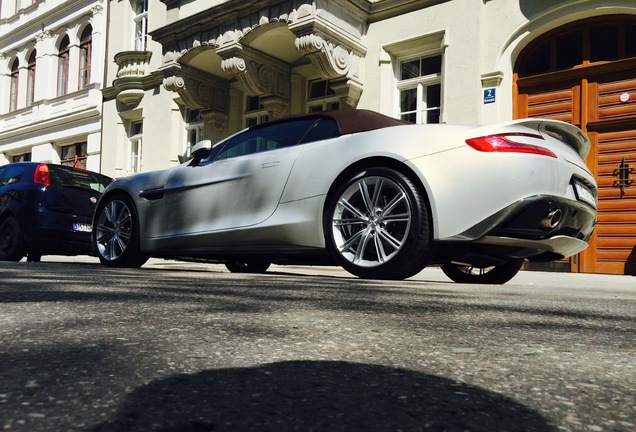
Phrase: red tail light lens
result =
(42, 175)
(504, 143)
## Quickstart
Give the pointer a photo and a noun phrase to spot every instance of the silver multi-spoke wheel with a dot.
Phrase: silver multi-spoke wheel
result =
(371, 221)
(377, 225)
(114, 230)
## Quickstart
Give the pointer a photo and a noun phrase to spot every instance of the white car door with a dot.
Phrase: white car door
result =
(240, 187)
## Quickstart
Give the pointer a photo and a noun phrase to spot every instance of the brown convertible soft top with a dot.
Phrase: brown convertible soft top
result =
(349, 120)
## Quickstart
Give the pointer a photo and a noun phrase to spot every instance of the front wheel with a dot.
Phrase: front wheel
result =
(116, 234)
(11, 248)
(377, 225)
(247, 266)
(495, 275)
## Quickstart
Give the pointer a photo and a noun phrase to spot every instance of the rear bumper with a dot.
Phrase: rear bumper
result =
(553, 247)
(53, 233)
(526, 219)
(544, 227)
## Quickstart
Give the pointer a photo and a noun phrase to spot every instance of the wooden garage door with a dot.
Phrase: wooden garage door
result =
(611, 127)
(600, 98)
(616, 229)
(607, 112)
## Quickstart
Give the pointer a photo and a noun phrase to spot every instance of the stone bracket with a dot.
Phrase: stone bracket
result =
(330, 60)
(197, 90)
(259, 74)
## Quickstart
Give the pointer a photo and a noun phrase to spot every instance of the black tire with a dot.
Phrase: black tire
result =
(377, 225)
(495, 275)
(116, 233)
(11, 247)
(247, 266)
(34, 256)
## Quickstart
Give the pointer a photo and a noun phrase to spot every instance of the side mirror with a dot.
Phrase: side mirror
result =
(202, 149)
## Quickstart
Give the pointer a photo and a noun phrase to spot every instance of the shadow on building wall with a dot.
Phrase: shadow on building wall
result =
(532, 8)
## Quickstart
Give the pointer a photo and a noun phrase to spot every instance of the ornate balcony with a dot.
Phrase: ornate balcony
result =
(132, 76)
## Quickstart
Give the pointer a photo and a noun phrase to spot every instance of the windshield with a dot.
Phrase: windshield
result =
(78, 178)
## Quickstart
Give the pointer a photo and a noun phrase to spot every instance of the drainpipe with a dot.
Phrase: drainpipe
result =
(104, 83)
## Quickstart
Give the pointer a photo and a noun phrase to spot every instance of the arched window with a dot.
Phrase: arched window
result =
(86, 43)
(141, 25)
(31, 79)
(13, 96)
(62, 67)
(582, 44)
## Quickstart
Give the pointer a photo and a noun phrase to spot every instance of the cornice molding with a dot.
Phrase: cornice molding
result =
(51, 19)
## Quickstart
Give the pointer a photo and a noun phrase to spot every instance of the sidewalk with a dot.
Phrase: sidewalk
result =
(431, 274)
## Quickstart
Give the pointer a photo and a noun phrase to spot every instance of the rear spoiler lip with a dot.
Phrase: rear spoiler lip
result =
(572, 136)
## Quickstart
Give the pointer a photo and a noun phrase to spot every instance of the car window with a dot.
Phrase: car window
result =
(10, 175)
(69, 177)
(324, 128)
(266, 138)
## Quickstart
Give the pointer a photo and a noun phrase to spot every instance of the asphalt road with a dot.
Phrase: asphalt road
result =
(178, 347)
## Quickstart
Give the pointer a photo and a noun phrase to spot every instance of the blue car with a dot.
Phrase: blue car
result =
(47, 209)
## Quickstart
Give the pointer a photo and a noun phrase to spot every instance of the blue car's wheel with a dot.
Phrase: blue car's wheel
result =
(11, 248)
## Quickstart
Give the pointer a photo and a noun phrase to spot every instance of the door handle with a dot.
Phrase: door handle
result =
(623, 173)
(270, 164)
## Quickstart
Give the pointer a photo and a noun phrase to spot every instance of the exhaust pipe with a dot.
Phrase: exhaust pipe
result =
(552, 219)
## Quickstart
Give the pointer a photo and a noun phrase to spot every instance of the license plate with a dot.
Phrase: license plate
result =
(584, 194)
(82, 227)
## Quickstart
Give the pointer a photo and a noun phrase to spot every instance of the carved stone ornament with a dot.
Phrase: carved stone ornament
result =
(132, 63)
(331, 61)
(259, 76)
(43, 35)
(197, 93)
(130, 97)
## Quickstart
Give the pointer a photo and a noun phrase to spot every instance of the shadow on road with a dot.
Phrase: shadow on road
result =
(320, 396)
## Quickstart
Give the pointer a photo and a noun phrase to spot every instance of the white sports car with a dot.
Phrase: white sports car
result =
(377, 196)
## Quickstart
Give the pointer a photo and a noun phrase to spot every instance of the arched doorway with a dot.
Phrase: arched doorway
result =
(585, 73)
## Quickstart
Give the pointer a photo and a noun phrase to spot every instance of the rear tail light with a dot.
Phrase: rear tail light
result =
(507, 143)
(42, 175)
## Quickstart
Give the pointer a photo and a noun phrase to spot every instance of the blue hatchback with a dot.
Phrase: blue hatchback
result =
(47, 209)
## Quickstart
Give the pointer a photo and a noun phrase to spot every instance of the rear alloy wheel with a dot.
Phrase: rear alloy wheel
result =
(247, 266)
(494, 275)
(377, 225)
(11, 248)
(116, 235)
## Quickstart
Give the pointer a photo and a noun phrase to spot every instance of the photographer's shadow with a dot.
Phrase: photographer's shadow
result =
(318, 396)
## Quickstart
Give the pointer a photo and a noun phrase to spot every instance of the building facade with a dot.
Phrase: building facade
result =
(178, 71)
(52, 61)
